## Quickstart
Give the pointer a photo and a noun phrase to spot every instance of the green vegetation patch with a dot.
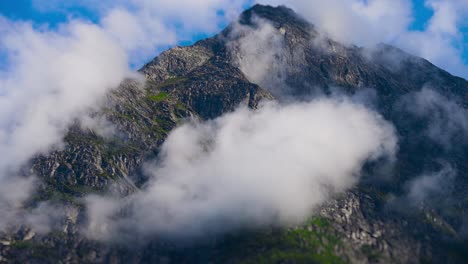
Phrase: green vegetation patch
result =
(313, 242)
(161, 96)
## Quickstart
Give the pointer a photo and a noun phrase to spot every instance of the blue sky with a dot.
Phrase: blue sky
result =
(421, 14)
(26, 10)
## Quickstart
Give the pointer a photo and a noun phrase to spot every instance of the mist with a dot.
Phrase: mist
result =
(436, 127)
(431, 186)
(248, 169)
(446, 120)
(259, 52)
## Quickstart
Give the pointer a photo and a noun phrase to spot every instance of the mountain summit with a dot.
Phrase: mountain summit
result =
(412, 210)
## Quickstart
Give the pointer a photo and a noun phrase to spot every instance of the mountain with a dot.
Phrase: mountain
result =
(371, 223)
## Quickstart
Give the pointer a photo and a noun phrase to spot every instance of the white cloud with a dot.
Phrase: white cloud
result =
(366, 23)
(145, 27)
(350, 21)
(260, 54)
(53, 78)
(248, 169)
(138, 34)
(354, 21)
(441, 42)
(204, 15)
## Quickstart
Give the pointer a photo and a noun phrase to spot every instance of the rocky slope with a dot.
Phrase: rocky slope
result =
(206, 80)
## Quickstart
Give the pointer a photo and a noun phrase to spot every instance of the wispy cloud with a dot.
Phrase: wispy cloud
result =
(445, 120)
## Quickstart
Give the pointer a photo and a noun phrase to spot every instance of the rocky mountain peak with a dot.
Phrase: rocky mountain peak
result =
(240, 66)
(280, 16)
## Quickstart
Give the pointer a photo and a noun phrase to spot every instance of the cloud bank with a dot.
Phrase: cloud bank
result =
(248, 169)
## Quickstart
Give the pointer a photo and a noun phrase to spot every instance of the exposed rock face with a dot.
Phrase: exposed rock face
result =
(204, 81)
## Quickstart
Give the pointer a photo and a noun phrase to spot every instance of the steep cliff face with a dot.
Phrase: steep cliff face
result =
(213, 77)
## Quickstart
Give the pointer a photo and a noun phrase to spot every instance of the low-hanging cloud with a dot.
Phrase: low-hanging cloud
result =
(248, 169)
(446, 121)
(431, 190)
(431, 185)
(53, 79)
(259, 52)
(53, 76)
